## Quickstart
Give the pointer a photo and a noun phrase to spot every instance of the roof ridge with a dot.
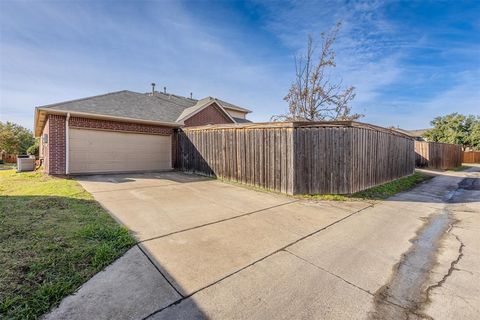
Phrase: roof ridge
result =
(176, 103)
(175, 95)
(86, 98)
(230, 105)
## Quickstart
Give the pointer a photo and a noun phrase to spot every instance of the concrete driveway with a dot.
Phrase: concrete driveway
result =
(208, 249)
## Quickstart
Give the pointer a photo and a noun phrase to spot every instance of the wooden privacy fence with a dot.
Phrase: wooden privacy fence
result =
(437, 155)
(471, 157)
(296, 157)
(9, 158)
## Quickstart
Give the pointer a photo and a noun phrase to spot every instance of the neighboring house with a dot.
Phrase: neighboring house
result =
(419, 134)
(415, 134)
(122, 131)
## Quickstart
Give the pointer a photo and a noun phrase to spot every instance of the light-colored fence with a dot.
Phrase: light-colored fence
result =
(437, 155)
(471, 157)
(297, 157)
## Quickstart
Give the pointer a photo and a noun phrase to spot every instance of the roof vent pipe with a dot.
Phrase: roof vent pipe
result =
(153, 88)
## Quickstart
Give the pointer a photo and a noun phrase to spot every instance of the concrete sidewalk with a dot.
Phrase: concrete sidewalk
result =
(214, 250)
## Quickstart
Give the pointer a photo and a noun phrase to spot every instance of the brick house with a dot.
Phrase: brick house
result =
(122, 131)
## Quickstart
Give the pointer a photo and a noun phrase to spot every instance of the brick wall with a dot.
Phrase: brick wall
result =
(56, 144)
(209, 115)
(54, 151)
(77, 122)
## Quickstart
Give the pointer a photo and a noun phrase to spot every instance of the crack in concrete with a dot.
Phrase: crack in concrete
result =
(406, 286)
(410, 290)
(450, 270)
(466, 271)
(350, 283)
(408, 312)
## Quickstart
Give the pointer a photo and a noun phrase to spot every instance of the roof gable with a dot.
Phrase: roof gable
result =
(201, 105)
(211, 114)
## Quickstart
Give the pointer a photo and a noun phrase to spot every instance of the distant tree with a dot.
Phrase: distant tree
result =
(456, 128)
(14, 138)
(34, 148)
(474, 141)
(314, 96)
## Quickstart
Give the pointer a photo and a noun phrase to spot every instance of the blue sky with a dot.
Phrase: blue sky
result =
(410, 61)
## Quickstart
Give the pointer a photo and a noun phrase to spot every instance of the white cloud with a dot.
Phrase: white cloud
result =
(366, 56)
(463, 97)
(88, 51)
(54, 51)
(383, 59)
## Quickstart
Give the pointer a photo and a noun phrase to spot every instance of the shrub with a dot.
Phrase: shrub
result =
(34, 149)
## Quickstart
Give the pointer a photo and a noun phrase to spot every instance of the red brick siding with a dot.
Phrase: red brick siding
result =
(56, 144)
(54, 151)
(209, 115)
(118, 126)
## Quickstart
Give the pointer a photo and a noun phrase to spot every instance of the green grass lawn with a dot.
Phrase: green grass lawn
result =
(379, 192)
(53, 237)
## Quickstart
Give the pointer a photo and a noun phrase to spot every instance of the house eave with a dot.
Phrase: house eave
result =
(42, 113)
(237, 109)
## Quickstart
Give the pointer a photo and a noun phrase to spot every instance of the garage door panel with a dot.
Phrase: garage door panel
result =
(106, 151)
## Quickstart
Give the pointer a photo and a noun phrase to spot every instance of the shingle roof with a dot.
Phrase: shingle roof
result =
(172, 98)
(241, 120)
(125, 104)
(162, 107)
(188, 101)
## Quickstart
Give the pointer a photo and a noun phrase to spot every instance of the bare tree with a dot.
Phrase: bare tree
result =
(313, 95)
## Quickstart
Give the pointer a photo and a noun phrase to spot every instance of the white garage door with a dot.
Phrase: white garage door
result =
(107, 151)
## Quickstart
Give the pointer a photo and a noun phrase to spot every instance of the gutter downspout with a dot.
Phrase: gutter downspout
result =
(67, 138)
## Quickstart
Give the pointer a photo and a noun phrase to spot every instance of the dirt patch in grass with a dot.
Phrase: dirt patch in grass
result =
(54, 237)
(379, 192)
